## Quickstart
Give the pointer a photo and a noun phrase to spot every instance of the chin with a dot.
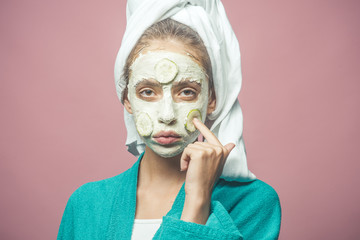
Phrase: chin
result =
(168, 152)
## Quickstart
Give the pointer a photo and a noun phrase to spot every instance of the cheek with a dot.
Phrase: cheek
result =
(202, 102)
(183, 109)
(144, 115)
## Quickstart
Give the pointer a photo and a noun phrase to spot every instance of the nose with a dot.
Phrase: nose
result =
(166, 111)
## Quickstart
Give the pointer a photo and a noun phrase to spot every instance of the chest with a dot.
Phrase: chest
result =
(153, 206)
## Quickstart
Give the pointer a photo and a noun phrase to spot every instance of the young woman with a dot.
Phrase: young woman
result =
(179, 188)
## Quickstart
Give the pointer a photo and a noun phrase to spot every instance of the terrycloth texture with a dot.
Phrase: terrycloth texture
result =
(106, 210)
(208, 18)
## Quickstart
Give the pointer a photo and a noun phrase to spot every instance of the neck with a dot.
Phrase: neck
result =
(160, 171)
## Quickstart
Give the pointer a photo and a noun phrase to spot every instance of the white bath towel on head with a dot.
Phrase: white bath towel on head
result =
(208, 18)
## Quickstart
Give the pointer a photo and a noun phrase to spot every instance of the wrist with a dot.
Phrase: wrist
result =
(198, 196)
(196, 210)
(197, 200)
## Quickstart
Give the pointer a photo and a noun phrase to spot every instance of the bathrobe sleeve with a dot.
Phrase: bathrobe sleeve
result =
(258, 219)
(218, 226)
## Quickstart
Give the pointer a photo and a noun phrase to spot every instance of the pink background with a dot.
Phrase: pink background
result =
(62, 124)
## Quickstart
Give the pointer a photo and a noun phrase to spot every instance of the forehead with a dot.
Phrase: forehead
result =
(165, 67)
(170, 45)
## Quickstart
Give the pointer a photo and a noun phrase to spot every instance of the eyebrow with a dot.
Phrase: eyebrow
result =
(148, 82)
(185, 82)
(192, 56)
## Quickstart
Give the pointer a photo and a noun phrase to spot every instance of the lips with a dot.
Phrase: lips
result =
(166, 137)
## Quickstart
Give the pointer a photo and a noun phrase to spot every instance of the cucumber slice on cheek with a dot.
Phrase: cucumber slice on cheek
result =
(195, 113)
(144, 124)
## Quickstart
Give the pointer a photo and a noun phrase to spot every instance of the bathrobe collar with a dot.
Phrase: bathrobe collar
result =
(124, 205)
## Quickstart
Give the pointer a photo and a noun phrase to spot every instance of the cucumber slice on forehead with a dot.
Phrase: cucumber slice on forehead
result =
(166, 70)
(144, 124)
(195, 113)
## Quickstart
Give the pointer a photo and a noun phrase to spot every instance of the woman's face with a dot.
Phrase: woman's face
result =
(167, 88)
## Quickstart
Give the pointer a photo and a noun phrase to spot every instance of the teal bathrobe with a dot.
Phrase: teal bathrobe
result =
(106, 210)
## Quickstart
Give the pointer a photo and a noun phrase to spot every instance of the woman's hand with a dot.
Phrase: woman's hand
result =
(204, 162)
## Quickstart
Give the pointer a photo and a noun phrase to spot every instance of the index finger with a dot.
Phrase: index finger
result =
(208, 135)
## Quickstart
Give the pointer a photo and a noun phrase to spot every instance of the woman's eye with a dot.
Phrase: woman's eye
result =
(187, 93)
(147, 93)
